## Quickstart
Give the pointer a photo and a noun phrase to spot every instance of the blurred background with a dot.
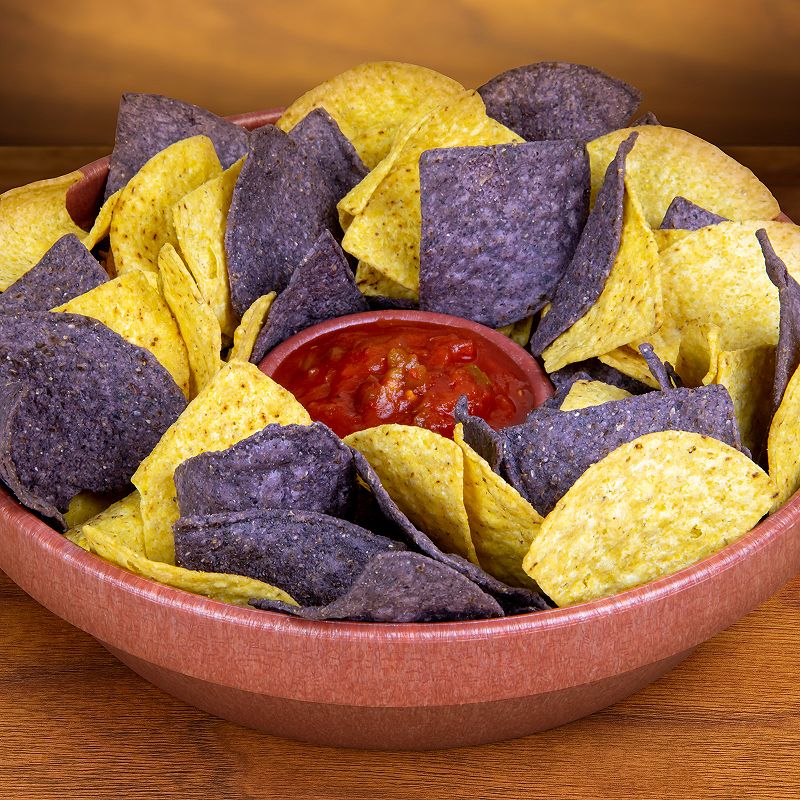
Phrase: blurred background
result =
(728, 70)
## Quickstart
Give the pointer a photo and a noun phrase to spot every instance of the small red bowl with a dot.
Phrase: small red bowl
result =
(412, 686)
(508, 355)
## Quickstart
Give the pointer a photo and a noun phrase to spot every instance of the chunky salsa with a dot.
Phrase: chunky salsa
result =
(358, 378)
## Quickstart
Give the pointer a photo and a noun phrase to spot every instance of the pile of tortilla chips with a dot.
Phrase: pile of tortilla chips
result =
(643, 266)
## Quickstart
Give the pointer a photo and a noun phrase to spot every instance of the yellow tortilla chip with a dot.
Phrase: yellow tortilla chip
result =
(629, 307)
(142, 222)
(519, 332)
(133, 307)
(747, 375)
(117, 537)
(667, 238)
(371, 101)
(84, 506)
(629, 361)
(698, 353)
(198, 324)
(502, 523)
(424, 474)
(102, 223)
(667, 162)
(716, 275)
(253, 320)
(32, 219)
(386, 233)
(374, 283)
(239, 401)
(669, 499)
(200, 221)
(782, 450)
(583, 394)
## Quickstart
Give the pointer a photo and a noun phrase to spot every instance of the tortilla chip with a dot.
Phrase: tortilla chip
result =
(698, 353)
(386, 234)
(32, 219)
(502, 523)
(121, 522)
(782, 450)
(239, 401)
(373, 283)
(142, 221)
(246, 333)
(131, 306)
(84, 506)
(594, 369)
(628, 360)
(371, 101)
(200, 220)
(518, 332)
(583, 394)
(668, 162)
(716, 275)
(197, 322)
(685, 215)
(102, 223)
(669, 500)
(424, 474)
(555, 100)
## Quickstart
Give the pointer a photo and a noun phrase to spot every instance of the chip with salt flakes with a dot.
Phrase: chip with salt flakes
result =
(200, 221)
(783, 453)
(371, 101)
(142, 221)
(386, 233)
(716, 275)
(424, 474)
(239, 401)
(198, 324)
(668, 162)
(133, 307)
(246, 333)
(32, 219)
(502, 523)
(584, 393)
(669, 499)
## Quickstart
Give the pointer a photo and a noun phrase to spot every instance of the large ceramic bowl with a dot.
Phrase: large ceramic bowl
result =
(393, 686)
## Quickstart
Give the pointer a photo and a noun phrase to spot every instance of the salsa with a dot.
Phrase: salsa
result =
(360, 377)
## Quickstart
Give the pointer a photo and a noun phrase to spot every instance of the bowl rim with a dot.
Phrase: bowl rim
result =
(89, 564)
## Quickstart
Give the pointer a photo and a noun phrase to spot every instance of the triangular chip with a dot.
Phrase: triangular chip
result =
(669, 500)
(683, 214)
(65, 271)
(698, 353)
(239, 401)
(142, 220)
(500, 225)
(121, 522)
(136, 310)
(246, 333)
(200, 219)
(556, 100)
(668, 162)
(373, 283)
(424, 474)
(32, 219)
(583, 394)
(321, 288)
(628, 360)
(197, 322)
(102, 223)
(370, 102)
(782, 450)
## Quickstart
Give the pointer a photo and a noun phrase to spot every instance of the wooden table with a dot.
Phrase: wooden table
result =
(75, 723)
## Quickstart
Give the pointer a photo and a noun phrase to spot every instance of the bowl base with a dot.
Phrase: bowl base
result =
(384, 728)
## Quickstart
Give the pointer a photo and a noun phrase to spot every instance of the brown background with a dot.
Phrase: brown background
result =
(728, 70)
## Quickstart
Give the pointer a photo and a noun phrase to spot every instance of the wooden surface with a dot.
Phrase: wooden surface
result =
(75, 723)
(727, 70)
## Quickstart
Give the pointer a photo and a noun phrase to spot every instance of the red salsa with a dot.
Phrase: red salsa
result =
(360, 377)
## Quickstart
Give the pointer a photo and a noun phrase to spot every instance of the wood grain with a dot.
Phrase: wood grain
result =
(725, 69)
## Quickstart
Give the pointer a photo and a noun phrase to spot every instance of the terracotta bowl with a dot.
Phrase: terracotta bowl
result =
(393, 686)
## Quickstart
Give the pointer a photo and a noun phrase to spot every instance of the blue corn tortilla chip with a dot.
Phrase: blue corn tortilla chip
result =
(555, 100)
(648, 118)
(480, 436)
(295, 467)
(787, 356)
(65, 271)
(312, 556)
(514, 600)
(662, 371)
(544, 456)
(319, 136)
(147, 123)
(401, 587)
(591, 265)
(683, 214)
(88, 406)
(281, 205)
(381, 303)
(321, 288)
(597, 371)
(499, 227)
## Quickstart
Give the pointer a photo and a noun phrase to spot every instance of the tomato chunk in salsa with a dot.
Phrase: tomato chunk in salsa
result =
(361, 377)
